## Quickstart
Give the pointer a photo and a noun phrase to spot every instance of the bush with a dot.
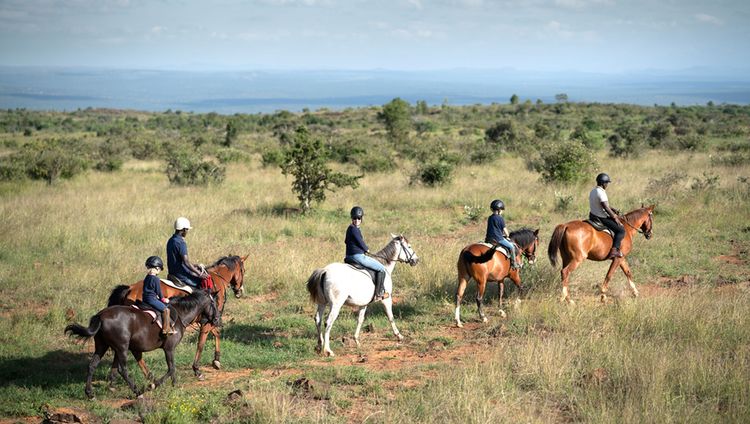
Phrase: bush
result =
(272, 157)
(436, 173)
(506, 134)
(109, 156)
(588, 139)
(626, 141)
(374, 161)
(231, 155)
(189, 169)
(565, 162)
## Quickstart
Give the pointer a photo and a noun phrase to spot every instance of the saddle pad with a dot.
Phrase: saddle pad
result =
(598, 226)
(185, 288)
(360, 268)
(151, 313)
(499, 248)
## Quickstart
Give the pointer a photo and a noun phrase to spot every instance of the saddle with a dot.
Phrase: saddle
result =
(598, 226)
(153, 313)
(498, 247)
(175, 282)
(359, 267)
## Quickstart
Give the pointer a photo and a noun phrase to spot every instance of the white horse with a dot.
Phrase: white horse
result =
(339, 284)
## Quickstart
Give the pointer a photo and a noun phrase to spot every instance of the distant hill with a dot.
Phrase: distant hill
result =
(267, 91)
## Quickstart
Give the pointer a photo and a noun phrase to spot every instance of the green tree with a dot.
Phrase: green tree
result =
(561, 98)
(567, 162)
(396, 116)
(514, 99)
(305, 159)
(231, 133)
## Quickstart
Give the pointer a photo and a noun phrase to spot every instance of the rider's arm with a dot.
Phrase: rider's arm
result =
(506, 233)
(194, 269)
(611, 213)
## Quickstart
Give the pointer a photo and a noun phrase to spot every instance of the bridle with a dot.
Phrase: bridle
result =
(648, 233)
(409, 254)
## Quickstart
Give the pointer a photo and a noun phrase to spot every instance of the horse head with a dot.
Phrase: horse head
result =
(231, 269)
(527, 242)
(648, 223)
(406, 253)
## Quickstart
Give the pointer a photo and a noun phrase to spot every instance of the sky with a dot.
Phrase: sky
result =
(603, 36)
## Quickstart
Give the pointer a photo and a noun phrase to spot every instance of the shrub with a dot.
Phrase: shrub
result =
(231, 155)
(566, 162)
(185, 168)
(435, 173)
(109, 156)
(626, 141)
(272, 157)
(588, 139)
(506, 134)
(374, 161)
(563, 202)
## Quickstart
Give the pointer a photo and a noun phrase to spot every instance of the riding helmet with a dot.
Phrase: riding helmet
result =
(357, 212)
(182, 223)
(154, 262)
(602, 178)
(497, 205)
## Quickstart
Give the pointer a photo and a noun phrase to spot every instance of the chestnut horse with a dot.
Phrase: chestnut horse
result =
(123, 328)
(227, 272)
(578, 240)
(485, 264)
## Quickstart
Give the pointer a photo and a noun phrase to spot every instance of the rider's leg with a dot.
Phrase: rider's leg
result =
(619, 234)
(512, 251)
(379, 269)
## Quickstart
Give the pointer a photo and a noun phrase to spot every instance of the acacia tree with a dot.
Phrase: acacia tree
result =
(305, 159)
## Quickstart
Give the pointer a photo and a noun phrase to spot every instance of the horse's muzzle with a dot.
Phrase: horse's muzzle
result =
(413, 261)
(238, 293)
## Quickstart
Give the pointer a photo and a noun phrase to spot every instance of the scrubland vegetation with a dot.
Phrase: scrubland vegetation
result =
(86, 196)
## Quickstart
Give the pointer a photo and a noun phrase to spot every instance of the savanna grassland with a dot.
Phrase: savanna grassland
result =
(678, 353)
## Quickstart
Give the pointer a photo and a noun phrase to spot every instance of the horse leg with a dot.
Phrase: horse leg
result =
(481, 285)
(626, 269)
(146, 373)
(462, 281)
(169, 357)
(388, 304)
(360, 320)
(121, 356)
(604, 288)
(216, 363)
(205, 329)
(335, 309)
(565, 274)
(500, 291)
(319, 326)
(101, 349)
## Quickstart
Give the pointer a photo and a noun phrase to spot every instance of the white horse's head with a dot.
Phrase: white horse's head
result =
(406, 253)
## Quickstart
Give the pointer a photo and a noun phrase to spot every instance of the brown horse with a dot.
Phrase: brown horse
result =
(485, 264)
(578, 240)
(227, 272)
(124, 329)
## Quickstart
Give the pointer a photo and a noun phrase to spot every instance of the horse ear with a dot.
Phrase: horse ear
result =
(244, 258)
(536, 232)
(394, 236)
(642, 205)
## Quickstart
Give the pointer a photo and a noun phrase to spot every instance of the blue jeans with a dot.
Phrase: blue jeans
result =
(366, 262)
(511, 248)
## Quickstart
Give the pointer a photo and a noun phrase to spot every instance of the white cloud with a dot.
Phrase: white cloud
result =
(708, 19)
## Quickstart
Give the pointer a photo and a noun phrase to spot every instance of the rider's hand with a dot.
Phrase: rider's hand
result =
(164, 300)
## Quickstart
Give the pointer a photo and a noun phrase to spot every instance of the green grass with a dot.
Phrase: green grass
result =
(674, 355)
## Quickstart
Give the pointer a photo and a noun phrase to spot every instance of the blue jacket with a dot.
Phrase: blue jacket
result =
(495, 229)
(176, 249)
(152, 292)
(354, 242)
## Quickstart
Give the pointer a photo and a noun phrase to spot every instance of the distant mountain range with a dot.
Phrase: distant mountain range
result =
(230, 92)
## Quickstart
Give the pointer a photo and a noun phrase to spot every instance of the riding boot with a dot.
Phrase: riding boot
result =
(614, 253)
(380, 286)
(166, 323)
(514, 259)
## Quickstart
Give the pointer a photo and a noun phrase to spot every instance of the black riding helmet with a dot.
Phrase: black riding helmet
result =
(154, 262)
(602, 178)
(497, 205)
(357, 212)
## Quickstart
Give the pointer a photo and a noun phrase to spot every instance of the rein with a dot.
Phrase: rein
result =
(625, 220)
(409, 255)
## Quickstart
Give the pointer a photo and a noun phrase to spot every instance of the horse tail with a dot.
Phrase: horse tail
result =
(118, 295)
(470, 258)
(85, 333)
(315, 286)
(554, 243)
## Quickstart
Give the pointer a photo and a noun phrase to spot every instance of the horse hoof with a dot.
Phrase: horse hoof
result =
(329, 354)
(503, 314)
(139, 397)
(603, 298)
(151, 386)
(459, 325)
(400, 337)
(216, 364)
(484, 319)
(111, 389)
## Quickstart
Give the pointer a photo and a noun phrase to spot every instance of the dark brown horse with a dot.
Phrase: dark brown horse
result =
(485, 264)
(124, 328)
(578, 240)
(227, 272)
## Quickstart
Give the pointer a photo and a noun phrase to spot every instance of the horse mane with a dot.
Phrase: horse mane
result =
(523, 237)
(634, 214)
(190, 301)
(387, 252)
(228, 261)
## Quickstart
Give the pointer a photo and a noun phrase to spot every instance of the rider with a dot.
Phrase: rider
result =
(356, 248)
(152, 292)
(497, 232)
(607, 215)
(179, 266)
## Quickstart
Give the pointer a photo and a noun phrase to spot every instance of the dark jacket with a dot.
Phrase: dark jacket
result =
(355, 244)
(495, 229)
